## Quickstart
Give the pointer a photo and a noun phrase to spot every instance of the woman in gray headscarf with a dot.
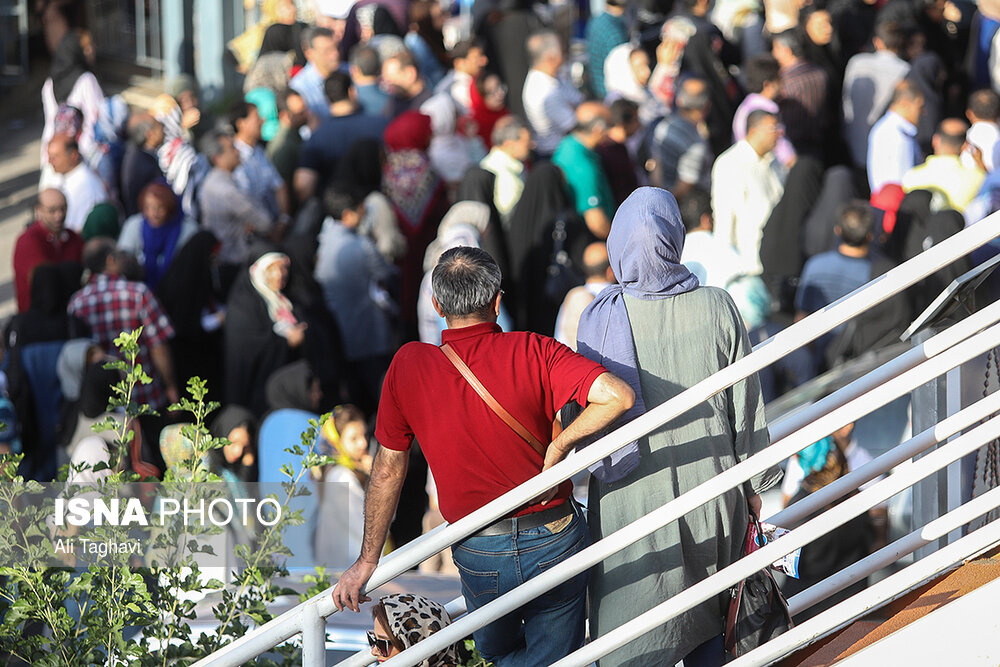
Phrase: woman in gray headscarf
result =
(663, 333)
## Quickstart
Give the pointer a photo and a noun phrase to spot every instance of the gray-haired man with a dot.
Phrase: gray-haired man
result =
(475, 457)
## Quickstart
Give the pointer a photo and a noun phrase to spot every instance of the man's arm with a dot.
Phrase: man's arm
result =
(597, 222)
(609, 398)
(384, 485)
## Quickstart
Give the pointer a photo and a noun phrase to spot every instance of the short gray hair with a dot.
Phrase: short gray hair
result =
(508, 128)
(211, 143)
(465, 281)
(140, 127)
(541, 44)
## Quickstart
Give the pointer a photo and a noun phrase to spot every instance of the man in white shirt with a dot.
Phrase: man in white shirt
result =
(892, 144)
(511, 147)
(320, 47)
(549, 103)
(68, 173)
(747, 183)
(869, 81)
(983, 112)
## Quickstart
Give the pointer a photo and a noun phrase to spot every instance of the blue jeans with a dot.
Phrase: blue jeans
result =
(545, 629)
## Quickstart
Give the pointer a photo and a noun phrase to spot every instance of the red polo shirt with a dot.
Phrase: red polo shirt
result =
(474, 456)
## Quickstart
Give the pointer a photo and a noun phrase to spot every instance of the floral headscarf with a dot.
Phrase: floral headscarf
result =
(414, 617)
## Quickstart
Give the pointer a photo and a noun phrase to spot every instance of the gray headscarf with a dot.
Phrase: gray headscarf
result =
(644, 249)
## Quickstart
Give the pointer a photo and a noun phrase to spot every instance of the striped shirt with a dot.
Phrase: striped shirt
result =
(803, 106)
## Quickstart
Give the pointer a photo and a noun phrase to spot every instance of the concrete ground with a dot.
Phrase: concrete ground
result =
(19, 173)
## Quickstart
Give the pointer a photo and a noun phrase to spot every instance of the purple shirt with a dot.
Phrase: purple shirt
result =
(784, 151)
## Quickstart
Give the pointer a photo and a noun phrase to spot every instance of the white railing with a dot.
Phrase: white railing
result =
(943, 352)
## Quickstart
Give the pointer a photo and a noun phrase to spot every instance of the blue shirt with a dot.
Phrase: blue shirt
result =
(334, 136)
(309, 84)
(830, 276)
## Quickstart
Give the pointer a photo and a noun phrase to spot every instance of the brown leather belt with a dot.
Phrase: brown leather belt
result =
(528, 521)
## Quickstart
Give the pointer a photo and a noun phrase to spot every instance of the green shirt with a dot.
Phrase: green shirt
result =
(585, 176)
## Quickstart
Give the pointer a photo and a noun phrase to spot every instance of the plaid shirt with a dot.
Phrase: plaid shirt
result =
(111, 305)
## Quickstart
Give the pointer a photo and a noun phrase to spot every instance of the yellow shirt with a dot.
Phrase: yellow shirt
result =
(946, 174)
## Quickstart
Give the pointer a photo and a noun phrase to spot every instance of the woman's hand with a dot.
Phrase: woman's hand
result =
(296, 334)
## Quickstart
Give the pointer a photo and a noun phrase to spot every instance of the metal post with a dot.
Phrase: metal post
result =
(313, 637)
(928, 407)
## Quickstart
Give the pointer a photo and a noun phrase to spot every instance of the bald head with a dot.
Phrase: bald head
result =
(64, 154)
(50, 210)
(596, 266)
(949, 139)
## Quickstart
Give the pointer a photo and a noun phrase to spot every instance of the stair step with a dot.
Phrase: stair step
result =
(900, 613)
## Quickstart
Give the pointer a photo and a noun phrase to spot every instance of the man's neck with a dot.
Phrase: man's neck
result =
(343, 108)
(544, 68)
(247, 141)
(614, 11)
(415, 89)
(853, 251)
(756, 149)
(464, 322)
(584, 140)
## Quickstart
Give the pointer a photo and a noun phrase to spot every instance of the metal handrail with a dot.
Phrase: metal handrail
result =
(882, 464)
(703, 493)
(873, 597)
(808, 329)
(872, 563)
(763, 557)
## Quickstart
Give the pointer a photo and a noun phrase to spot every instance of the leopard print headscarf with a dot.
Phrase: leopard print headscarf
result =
(414, 617)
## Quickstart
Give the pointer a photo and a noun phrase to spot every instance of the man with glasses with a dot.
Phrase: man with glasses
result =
(476, 456)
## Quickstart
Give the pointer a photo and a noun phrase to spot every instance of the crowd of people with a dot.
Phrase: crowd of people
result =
(285, 247)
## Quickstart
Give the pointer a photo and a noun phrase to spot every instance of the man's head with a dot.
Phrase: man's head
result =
(596, 265)
(593, 120)
(624, 119)
(293, 111)
(787, 48)
(98, 255)
(512, 136)
(763, 131)
(400, 70)
(762, 74)
(246, 122)
(340, 92)
(545, 52)
(949, 138)
(466, 285)
(696, 210)
(343, 201)
(365, 63)
(145, 131)
(855, 222)
(692, 99)
(50, 210)
(891, 36)
(984, 106)
(218, 148)
(907, 101)
(64, 154)
(320, 48)
(469, 57)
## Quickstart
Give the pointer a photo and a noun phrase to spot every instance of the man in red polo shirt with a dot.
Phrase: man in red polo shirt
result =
(475, 457)
(45, 241)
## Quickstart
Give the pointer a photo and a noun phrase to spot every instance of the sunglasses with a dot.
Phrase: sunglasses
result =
(383, 646)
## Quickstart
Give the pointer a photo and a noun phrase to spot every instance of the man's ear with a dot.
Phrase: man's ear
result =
(437, 306)
(496, 303)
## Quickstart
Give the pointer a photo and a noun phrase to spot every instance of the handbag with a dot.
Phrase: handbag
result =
(758, 611)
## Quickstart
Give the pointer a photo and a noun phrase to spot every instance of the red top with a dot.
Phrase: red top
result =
(37, 245)
(474, 456)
